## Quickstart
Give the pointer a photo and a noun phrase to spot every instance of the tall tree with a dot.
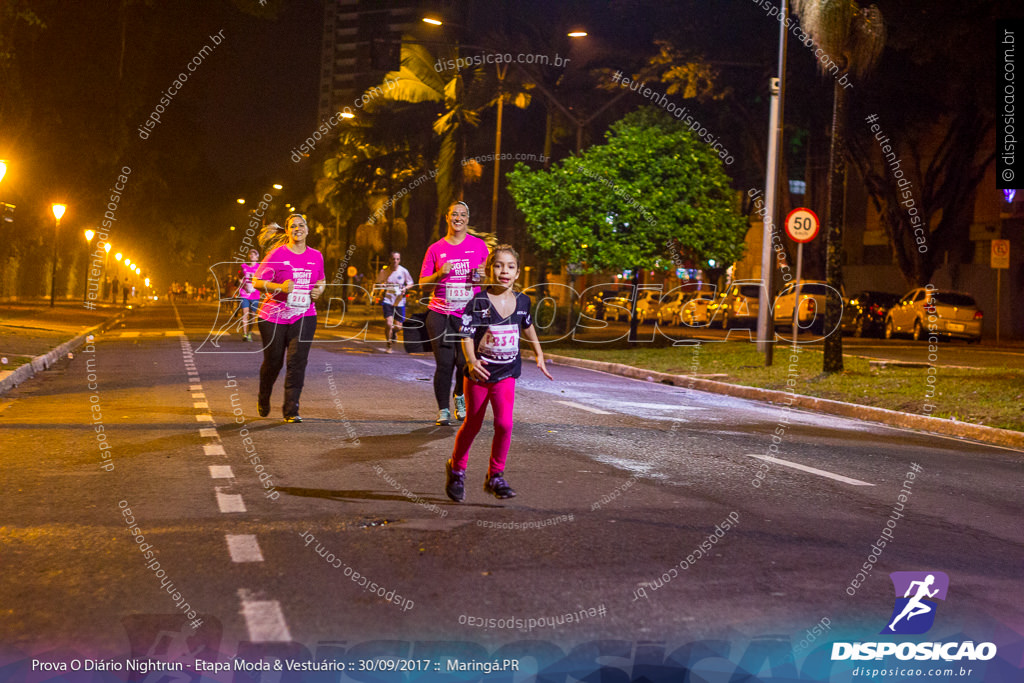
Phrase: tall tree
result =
(853, 37)
(418, 81)
(651, 191)
(924, 153)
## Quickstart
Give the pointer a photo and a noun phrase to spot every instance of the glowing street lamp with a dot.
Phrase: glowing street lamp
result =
(240, 200)
(278, 186)
(58, 213)
(3, 168)
(128, 262)
(118, 256)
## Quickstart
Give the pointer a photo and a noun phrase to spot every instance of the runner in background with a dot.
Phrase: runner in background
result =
(491, 327)
(292, 275)
(248, 295)
(453, 265)
(396, 280)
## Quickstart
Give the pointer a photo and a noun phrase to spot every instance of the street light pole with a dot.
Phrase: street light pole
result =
(89, 234)
(58, 211)
(765, 325)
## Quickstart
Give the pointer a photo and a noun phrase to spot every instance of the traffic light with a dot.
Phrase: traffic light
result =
(8, 213)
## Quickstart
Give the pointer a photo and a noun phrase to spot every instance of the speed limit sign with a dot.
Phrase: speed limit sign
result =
(802, 225)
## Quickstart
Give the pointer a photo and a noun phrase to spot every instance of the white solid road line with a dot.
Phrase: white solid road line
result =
(229, 502)
(597, 411)
(812, 470)
(264, 620)
(243, 548)
(221, 472)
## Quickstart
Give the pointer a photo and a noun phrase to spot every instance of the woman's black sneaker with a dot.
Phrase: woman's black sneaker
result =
(498, 487)
(263, 406)
(455, 483)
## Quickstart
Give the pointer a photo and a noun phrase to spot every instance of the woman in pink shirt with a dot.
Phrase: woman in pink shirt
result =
(291, 275)
(248, 295)
(453, 265)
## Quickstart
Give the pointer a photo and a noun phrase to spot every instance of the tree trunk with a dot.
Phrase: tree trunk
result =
(632, 307)
(833, 358)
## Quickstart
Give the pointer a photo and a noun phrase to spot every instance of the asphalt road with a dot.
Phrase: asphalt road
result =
(619, 481)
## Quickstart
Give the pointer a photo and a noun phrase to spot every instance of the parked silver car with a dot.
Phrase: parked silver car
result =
(924, 311)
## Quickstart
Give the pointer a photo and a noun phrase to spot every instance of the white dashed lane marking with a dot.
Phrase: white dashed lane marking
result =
(204, 417)
(229, 502)
(221, 472)
(208, 432)
(243, 548)
(811, 470)
(264, 620)
(213, 449)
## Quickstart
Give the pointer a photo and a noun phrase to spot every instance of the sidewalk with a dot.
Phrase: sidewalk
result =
(33, 335)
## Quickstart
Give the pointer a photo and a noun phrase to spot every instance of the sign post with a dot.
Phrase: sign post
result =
(802, 226)
(1000, 259)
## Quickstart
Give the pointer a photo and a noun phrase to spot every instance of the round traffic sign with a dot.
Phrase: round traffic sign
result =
(351, 272)
(802, 225)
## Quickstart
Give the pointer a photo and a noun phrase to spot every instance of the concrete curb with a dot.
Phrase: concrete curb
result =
(991, 435)
(46, 360)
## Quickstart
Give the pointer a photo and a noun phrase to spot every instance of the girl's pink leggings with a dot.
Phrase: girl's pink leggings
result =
(502, 396)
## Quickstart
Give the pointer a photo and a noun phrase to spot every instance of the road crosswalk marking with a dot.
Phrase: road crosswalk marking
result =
(811, 470)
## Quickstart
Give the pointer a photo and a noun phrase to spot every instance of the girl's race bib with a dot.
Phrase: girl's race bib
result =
(500, 343)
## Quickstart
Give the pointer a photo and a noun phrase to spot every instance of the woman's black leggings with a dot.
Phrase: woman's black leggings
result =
(448, 356)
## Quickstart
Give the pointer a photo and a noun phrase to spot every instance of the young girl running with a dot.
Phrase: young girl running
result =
(491, 325)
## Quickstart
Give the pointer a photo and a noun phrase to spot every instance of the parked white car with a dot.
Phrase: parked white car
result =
(925, 311)
(811, 312)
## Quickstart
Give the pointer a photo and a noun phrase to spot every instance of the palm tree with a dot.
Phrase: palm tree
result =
(854, 38)
(419, 82)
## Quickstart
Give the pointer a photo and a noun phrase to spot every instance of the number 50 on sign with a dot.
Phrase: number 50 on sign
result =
(802, 225)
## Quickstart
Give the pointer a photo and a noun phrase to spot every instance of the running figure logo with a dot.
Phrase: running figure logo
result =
(914, 612)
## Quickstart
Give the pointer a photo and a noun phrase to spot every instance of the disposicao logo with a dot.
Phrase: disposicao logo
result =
(912, 614)
(915, 607)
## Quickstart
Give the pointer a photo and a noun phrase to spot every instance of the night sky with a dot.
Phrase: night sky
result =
(78, 89)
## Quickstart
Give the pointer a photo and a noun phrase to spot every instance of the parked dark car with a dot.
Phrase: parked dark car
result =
(864, 313)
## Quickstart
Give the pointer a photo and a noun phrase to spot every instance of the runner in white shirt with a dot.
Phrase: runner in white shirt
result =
(395, 280)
